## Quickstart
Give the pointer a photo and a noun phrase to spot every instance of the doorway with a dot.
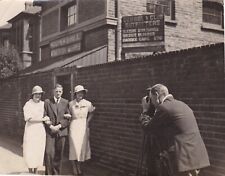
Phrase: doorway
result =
(65, 81)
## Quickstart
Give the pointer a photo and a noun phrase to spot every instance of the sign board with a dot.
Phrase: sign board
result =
(66, 45)
(143, 33)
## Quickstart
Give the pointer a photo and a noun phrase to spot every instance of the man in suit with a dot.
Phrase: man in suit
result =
(56, 108)
(174, 123)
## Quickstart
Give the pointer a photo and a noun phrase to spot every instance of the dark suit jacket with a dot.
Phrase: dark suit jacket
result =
(175, 122)
(56, 113)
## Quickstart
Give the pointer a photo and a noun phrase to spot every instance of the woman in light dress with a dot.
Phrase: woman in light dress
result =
(34, 133)
(82, 112)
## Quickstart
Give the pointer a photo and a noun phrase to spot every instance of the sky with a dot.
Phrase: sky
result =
(9, 9)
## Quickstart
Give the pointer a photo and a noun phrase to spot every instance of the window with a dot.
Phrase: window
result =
(71, 15)
(213, 13)
(166, 7)
(68, 16)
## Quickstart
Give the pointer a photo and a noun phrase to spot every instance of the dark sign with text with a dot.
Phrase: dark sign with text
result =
(143, 33)
(66, 45)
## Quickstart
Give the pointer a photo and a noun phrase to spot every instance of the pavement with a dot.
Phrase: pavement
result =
(12, 162)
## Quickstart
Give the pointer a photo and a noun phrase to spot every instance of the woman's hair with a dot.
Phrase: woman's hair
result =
(32, 95)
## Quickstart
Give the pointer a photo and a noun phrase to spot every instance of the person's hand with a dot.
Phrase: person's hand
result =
(46, 118)
(58, 127)
(144, 119)
(54, 129)
(67, 116)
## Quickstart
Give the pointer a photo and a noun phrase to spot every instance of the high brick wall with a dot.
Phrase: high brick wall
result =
(195, 76)
(15, 93)
(9, 106)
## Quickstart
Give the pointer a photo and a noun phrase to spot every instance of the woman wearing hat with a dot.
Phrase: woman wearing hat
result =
(82, 112)
(34, 133)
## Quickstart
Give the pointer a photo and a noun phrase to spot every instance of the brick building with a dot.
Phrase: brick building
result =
(5, 35)
(24, 34)
(77, 26)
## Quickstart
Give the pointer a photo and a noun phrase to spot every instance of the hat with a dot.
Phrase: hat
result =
(37, 89)
(79, 88)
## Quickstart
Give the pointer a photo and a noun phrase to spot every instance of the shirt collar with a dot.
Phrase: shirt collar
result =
(56, 99)
(167, 96)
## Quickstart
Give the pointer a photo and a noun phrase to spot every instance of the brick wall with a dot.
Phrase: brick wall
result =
(9, 106)
(15, 93)
(50, 23)
(88, 9)
(95, 38)
(185, 31)
(195, 76)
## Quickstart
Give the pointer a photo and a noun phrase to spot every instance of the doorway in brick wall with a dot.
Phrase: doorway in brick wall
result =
(65, 81)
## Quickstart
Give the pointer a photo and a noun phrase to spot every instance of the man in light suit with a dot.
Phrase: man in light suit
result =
(56, 108)
(175, 125)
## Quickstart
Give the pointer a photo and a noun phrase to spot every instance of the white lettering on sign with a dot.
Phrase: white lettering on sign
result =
(66, 40)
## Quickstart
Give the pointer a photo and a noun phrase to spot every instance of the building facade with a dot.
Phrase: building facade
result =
(25, 34)
(5, 35)
(76, 26)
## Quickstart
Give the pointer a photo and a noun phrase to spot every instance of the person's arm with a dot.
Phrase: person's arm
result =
(64, 123)
(91, 110)
(158, 121)
(44, 119)
(48, 122)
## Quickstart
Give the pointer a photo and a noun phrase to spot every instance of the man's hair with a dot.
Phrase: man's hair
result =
(58, 86)
(159, 89)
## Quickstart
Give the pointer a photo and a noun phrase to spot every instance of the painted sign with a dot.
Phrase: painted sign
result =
(66, 45)
(143, 33)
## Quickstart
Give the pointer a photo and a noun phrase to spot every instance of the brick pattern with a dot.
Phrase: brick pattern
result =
(95, 38)
(88, 9)
(195, 76)
(111, 8)
(111, 45)
(9, 106)
(50, 23)
(186, 33)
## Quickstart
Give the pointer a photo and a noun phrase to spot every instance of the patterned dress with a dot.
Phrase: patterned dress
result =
(79, 147)
(34, 134)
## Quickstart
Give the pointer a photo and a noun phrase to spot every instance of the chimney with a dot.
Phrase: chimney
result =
(28, 4)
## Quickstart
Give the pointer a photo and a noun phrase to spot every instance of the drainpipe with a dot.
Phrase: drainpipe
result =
(118, 32)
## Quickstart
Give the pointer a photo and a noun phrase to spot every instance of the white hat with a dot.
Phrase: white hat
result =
(37, 89)
(79, 88)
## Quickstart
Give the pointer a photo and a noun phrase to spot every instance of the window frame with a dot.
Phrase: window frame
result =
(213, 6)
(170, 6)
(72, 15)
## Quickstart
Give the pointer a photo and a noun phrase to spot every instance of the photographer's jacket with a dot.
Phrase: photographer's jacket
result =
(176, 122)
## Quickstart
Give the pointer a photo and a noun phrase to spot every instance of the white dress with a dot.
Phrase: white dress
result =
(34, 134)
(79, 147)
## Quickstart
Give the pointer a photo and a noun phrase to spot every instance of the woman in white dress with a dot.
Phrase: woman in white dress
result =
(34, 133)
(82, 112)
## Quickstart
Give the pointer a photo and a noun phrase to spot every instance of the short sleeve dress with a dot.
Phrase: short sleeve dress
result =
(79, 146)
(34, 134)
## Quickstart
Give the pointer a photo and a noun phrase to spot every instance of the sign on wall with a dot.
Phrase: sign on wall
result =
(143, 33)
(66, 45)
